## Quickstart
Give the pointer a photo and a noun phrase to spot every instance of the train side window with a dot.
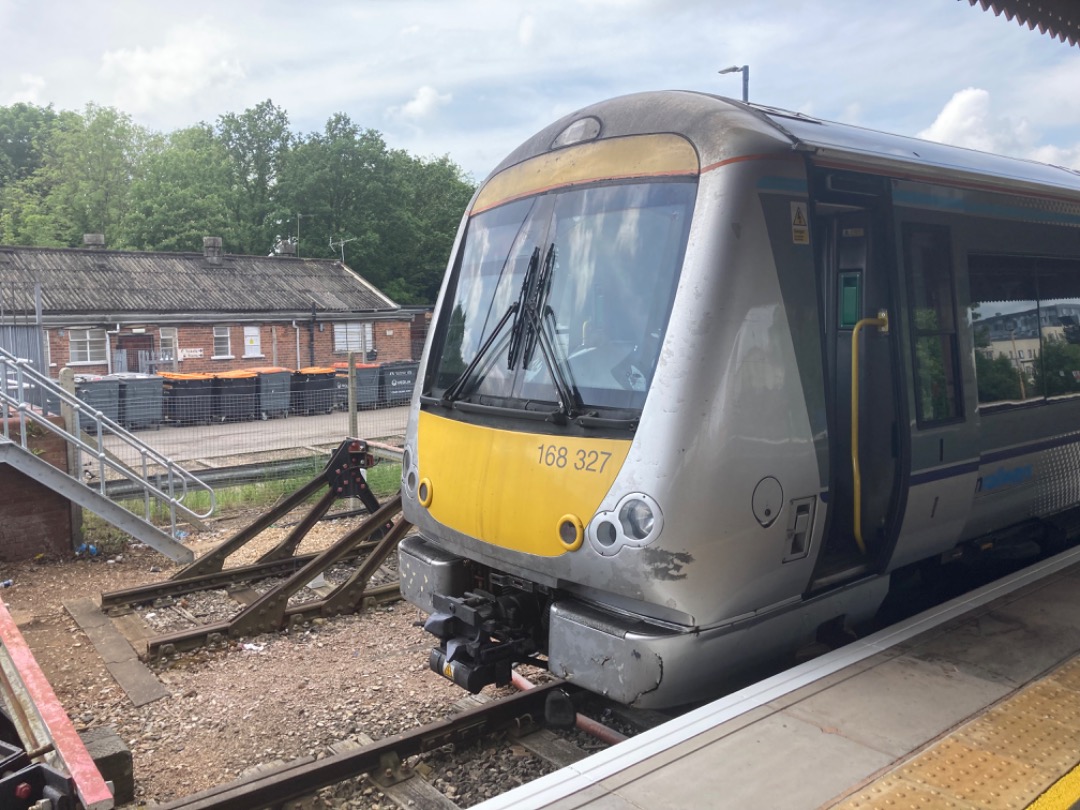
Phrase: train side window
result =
(1006, 328)
(850, 298)
(1059, 323)
(928, 262)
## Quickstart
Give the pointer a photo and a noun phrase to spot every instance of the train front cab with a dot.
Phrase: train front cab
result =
(918, 285)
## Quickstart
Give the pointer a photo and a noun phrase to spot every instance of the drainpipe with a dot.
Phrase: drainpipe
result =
(297, 330)
(311, 335)
(108, 349)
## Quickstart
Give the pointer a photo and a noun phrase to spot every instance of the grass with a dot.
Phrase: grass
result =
(384, 480)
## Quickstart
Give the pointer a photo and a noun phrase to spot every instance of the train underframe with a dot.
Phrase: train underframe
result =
(486, 622)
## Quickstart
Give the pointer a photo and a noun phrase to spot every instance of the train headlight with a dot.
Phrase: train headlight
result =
(637, 518)
(636, 521)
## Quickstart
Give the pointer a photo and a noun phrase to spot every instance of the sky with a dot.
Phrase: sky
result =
(474, 78)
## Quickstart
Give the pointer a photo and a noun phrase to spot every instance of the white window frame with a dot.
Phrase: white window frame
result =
(167, 344)
(86, 337)
(226, 333)
(356, 337)
(253, 341)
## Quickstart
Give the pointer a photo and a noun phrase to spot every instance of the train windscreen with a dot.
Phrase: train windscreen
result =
(564, 298)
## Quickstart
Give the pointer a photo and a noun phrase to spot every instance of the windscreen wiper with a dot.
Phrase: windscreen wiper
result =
(518, 333)
(567, 399)
(537, 301)
(453, 391)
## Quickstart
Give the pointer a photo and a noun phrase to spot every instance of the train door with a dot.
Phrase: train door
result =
(857, 282)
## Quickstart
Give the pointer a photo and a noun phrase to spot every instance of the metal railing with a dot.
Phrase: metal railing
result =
(158, 479)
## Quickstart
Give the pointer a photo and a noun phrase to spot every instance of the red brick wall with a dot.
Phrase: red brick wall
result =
(392, 341)
(33, 518)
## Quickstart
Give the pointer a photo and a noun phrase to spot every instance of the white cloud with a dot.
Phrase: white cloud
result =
(30, 92)
(194, 58)
(526, 28)
(422, 105)
(1058, 156)
(969, 120)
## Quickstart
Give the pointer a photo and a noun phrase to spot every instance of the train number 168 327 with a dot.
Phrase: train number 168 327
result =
(561, 456)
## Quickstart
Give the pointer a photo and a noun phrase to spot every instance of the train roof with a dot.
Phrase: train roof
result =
(907, 156)
(723, 129)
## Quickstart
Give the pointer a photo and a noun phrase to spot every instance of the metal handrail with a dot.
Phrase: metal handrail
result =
(882, 322)
(174, 482)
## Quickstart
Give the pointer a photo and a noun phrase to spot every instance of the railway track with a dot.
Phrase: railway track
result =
(386, 762)
(368, 546)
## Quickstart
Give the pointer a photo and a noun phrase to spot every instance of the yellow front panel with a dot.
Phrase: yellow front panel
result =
(635, 156)
(512, 489)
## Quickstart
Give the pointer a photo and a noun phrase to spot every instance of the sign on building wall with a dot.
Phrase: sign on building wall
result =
(192, 354)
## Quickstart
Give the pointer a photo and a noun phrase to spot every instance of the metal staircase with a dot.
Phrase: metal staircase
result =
(26, 396)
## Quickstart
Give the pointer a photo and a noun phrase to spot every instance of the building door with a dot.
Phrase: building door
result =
(131, 346)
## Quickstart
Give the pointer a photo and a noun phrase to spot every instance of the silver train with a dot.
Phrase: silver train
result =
(703, 374)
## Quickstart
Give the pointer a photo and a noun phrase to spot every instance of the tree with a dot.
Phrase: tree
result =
(247, 179)
(336, 179)
(433, 194)
(998, 379)
(24, 131)
(82, 183)
(1059, 371)
(256, 142)
(182, 193)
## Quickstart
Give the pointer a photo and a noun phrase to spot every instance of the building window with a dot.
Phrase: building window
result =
(168, 342)
(222, 347)
(927, 257)
(354, 337)
(88, 346)
(252, 341)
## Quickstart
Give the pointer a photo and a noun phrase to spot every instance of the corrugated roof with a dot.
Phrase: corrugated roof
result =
(78, 281)
(1058, 18)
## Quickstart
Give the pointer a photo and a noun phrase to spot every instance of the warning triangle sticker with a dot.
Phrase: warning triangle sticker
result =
(799, 220)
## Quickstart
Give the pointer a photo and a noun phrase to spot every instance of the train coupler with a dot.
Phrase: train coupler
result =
(467, 672)
(481, 636)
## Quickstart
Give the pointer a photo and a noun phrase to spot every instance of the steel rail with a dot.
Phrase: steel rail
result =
(141, 594)
(303, 777)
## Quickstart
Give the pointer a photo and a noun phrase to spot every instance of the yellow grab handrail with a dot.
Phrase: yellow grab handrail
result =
(882, 322)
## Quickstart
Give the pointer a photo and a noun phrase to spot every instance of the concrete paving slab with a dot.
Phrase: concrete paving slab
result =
(741, 771)
(1013, 644)
(666, 756)
(138, 682)
(821, 684)
(900, 705)
(595, 798)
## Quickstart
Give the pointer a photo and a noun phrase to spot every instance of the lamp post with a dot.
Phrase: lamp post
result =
(745, 70)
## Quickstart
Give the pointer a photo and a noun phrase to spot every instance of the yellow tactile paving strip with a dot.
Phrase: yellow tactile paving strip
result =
(1022, 753)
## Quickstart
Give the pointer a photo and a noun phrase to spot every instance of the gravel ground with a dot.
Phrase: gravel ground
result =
(273, 697)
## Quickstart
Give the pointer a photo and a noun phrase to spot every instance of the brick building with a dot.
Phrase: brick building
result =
(109, 311)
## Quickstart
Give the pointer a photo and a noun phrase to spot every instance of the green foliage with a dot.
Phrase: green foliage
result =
(256, 143)
(183, 193)
(248, 179)
(998, 379)
(1059, 372)
(24, 129)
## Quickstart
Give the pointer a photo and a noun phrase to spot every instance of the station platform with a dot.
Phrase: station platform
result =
(972, 704)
